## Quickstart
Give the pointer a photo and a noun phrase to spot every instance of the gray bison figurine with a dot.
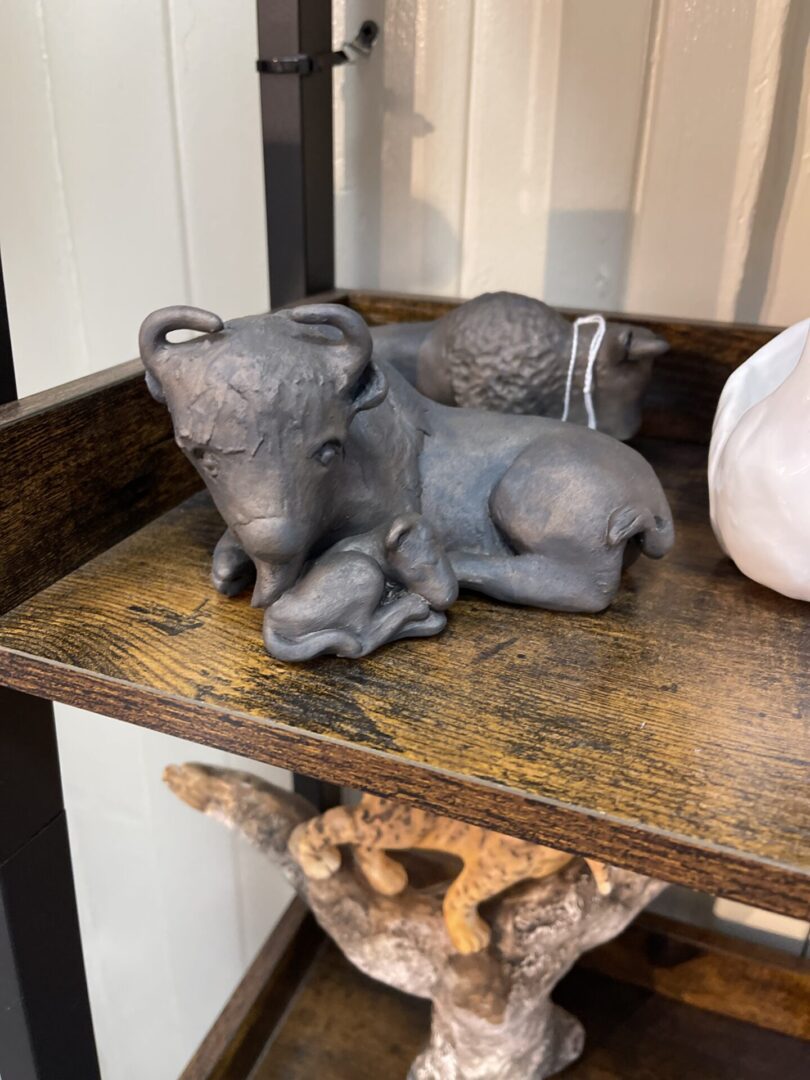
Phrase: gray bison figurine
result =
(510, 353)
(359, 506)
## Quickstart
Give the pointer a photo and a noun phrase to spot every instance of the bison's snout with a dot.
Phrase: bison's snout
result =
(272, 539)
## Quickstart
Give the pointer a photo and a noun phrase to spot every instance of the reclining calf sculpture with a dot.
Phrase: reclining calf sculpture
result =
(313, 451)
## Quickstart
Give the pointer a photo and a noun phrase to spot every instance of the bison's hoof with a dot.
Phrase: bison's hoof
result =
(232, 574)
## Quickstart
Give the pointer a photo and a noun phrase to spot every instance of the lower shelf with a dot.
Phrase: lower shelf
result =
(303, 1011)
(344, 1026)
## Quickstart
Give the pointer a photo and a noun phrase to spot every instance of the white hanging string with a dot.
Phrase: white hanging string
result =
(593, 352)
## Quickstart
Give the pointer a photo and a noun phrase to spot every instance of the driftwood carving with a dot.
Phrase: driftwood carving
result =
(492, 1014)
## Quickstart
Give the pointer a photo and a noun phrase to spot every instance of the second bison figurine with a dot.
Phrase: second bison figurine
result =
(359, 506)
(514, 354)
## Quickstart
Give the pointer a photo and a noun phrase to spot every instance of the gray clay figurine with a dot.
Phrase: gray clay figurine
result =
(511, 353)
(359, 506)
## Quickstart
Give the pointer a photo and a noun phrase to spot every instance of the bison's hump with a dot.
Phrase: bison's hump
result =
(507, 353)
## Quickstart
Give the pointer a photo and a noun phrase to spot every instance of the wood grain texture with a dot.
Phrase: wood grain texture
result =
(344, 1026)
(252, 1013)
(668, 735)
(83, 466)
(712, 971)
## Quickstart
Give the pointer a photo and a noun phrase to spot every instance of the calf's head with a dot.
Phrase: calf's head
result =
(262, 407)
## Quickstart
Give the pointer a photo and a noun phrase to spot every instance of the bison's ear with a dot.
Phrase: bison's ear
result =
(369, 389)
(641, 344)
(154, 388)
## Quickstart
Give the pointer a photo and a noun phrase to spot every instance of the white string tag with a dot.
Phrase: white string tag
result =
(593, 352)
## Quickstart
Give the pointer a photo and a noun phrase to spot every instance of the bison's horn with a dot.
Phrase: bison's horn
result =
(155, 327)
(351, 325)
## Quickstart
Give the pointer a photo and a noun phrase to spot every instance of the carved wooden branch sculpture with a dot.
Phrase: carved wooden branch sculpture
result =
(492, 1014)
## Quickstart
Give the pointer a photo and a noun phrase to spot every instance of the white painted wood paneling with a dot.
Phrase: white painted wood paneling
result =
(687, 177)
(767, 44)
(47, 331)
(215, 96)
(402, 147)
(512, 114)
(109, 74)
(601, 81)
(776, 284)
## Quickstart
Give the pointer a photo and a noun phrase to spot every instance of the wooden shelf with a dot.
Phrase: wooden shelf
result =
(345, 1026)
(668, 735)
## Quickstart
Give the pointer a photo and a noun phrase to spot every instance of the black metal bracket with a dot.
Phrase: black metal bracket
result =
(303, 64)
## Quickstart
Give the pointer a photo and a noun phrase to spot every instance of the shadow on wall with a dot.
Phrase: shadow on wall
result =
(385, 235)
(778, 176)
(586, 258)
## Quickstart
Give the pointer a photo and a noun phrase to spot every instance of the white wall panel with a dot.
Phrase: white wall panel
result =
(215, 98)
(401, 167)
(601, 78)
(512, 116)
(47, 329)
(776, 284)
(110, 78)
(685, 186)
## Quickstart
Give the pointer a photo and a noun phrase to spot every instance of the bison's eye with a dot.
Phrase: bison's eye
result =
(327, 453)
(206, 459)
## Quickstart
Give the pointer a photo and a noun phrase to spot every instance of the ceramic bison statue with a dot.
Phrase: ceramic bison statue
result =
(356, 506)
(511, 353)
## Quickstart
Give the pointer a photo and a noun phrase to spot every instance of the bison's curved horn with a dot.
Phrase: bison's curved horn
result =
(152, 337)
(351, 325)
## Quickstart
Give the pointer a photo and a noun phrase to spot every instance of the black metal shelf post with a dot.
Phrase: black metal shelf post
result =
(297, 134)
(46, 1032)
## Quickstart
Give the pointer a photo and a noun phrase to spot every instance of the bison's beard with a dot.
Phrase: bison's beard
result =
(273, 579)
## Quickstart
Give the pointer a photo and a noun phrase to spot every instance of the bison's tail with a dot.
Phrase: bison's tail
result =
(655, 531)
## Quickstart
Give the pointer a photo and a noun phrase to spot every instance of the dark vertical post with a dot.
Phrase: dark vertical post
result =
(298, 183)
(45, 1028)
(297, 136)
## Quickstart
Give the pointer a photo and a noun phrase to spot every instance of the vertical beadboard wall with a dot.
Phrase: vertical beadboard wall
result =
(651, 155)
(645, 155)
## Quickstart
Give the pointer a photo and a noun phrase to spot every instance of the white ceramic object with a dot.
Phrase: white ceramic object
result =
(759, 465)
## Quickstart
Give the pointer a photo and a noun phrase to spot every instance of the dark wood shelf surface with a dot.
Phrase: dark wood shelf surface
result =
(344, 1026)
(669, 735)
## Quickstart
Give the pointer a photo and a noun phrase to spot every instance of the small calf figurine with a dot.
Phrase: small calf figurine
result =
(492, 862)
(363, 592)
(511, 353)
(312, 451)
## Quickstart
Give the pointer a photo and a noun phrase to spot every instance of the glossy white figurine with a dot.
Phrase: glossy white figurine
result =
(759, 465)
